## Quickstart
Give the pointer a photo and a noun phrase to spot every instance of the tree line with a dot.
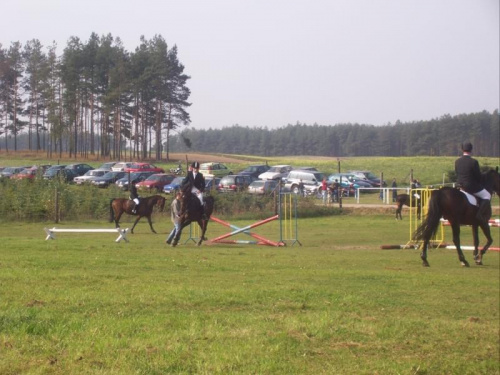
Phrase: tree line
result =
(95, 98)
(437, 137)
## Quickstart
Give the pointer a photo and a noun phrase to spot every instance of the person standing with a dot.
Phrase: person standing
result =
(394, 189)
(324, 187)
(469, 179)
(175, 210)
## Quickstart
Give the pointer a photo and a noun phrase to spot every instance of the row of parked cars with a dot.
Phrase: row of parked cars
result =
(256, 179)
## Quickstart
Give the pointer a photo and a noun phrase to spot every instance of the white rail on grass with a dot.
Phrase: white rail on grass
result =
(122, 233)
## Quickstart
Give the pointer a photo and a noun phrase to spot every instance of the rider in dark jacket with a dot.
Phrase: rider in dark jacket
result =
(134, 196)
(469, 179)
(195, 183)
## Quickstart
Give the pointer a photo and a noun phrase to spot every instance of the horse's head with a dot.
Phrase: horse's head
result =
(491, 181)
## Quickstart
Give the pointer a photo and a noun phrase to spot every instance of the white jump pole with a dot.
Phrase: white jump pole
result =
(122, 233)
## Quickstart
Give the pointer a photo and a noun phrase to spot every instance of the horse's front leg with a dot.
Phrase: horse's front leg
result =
(456, 240)
(135, 223)
(150, 224)
(203, 225)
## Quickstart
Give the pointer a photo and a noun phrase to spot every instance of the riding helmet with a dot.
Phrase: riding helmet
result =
(467, 147)
(195, 165)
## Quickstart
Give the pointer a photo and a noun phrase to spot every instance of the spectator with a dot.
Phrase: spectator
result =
(175, 207)
(394, 189)
(335, 190)
(324, 188)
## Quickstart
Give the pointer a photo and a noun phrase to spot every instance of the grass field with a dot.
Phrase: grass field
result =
(83, 304)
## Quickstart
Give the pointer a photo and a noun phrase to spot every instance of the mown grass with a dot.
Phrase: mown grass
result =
(83, 304)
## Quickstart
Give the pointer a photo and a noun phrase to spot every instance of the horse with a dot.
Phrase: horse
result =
(452, 204)
(404, 199)
(118, 206)
(193, 213)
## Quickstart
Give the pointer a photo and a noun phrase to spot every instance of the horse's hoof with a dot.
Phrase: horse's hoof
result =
(465, 264)
(425, 263)
(479, 263)
(174, 244)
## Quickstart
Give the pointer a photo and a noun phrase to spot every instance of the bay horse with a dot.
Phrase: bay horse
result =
(404, 199)
(193, 213)
(118, 206)
(452, 204)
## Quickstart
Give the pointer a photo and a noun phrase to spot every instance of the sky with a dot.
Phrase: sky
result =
(270, 63)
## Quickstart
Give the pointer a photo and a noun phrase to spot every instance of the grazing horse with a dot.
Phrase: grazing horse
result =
(404, 199)
(118, 206)
(193, 213)
(452, 204)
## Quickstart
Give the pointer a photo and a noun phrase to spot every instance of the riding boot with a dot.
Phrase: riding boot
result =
(484, 210)
(134, 208)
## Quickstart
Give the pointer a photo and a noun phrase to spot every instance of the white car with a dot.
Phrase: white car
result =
(276, 173)
(89, 176)
(121, 166)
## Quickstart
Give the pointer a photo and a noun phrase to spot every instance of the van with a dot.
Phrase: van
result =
(310, 179)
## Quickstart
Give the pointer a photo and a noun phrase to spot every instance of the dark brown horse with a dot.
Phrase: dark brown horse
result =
(404, 199)
(118, 206)
(193, 213)
(452, 204)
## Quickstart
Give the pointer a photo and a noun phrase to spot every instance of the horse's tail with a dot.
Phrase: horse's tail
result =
(111, 211)
(430, 225)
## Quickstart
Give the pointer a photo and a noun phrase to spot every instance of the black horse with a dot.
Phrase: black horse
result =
(453, 205)
(194, 213)
(118, 206)
(404, 199)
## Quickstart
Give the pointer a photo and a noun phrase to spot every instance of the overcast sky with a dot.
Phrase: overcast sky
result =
(278, 62)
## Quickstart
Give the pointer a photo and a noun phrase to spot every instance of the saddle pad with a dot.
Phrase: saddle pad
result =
(472, 199)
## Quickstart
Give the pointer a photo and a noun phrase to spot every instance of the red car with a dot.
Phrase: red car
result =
(144, 167)
(155, 181)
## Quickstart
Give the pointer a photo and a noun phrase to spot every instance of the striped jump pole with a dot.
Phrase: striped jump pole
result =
(245, 230)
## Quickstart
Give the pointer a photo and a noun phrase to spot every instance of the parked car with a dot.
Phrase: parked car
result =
(123, 183)
(79, 169)
(144, 167)
(234, 183)
(255, 170)
(212, 184)
(311, 181)
(120, 166)
(355, 181)
(276, 172)
(89, 176)
(173, 186)
(28, 174)
(214, 169)
(262, 186)
(53, 171)
(11, 171)
(107, 166)
(107, 179)
(370, 177)
(156, 181)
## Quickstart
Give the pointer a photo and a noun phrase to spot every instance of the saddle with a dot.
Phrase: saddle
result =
(471, 198)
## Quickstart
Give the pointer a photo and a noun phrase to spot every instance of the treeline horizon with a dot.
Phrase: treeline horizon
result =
(436, 137)
(94, 98)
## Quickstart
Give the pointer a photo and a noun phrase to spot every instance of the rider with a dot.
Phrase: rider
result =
(134, 197)
(469, 179)
(195, 181)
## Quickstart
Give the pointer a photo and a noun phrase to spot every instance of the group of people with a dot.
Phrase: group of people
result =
(193, 183)
(466, 168)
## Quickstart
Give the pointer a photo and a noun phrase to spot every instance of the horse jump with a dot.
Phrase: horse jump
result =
(122, 233)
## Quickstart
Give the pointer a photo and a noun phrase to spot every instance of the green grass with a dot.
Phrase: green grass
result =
(83, 304)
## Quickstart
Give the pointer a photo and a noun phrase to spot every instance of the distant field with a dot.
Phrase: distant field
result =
(429, 170)
(83, 304)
